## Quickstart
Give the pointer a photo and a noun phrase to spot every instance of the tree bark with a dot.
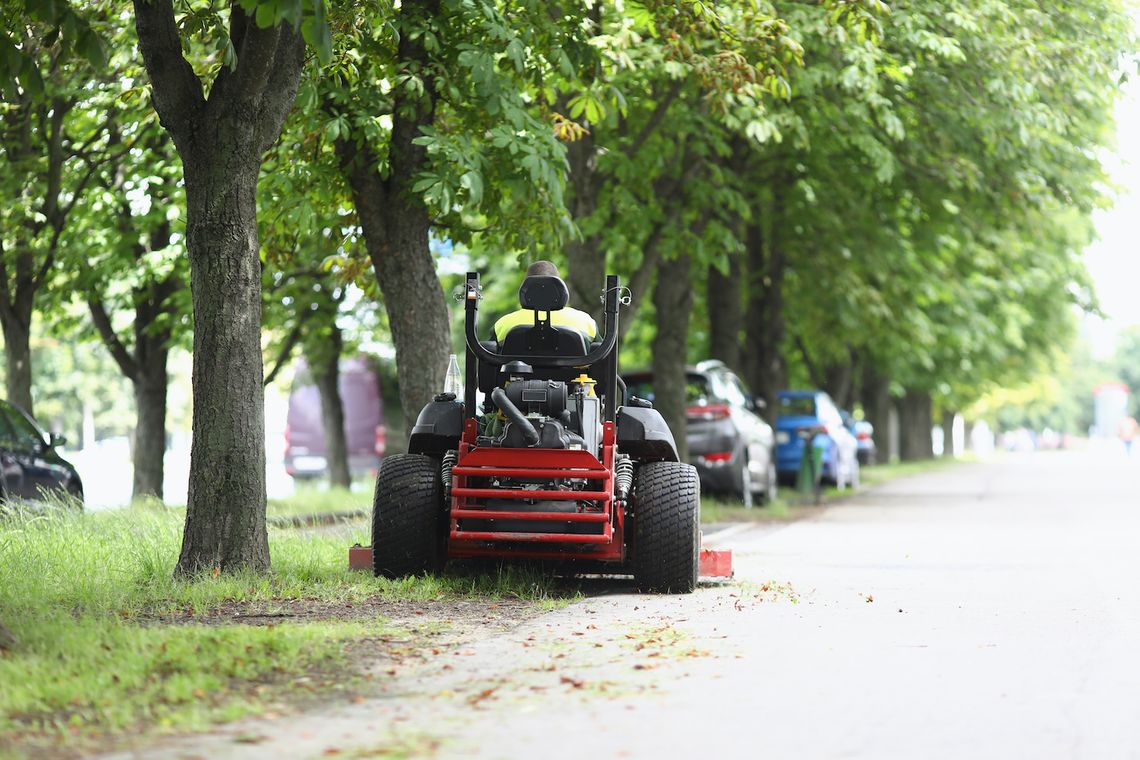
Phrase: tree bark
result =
(726, 315)
(948, 434)
(150, 426)
(876, 398)
(225, 520)
(838, 381)
(915, 424)
(764, 325)
(325, 365)
(221, 140)
(673, 300)
(18, 359)
(395, 224)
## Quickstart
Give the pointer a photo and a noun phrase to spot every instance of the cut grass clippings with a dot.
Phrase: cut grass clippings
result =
(108, 641)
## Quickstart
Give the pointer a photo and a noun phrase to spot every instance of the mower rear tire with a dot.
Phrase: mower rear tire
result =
(407, 517)
(667, 537)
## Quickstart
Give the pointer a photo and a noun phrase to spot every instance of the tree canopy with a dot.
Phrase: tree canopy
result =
(888, 200)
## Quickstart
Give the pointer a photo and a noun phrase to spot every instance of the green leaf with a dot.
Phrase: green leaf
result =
(474, 184)
(267, 15)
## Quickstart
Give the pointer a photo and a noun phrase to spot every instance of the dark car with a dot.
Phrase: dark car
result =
(364, 431)
(31, 467)
(731, 446)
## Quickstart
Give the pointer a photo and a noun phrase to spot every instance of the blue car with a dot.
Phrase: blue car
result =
(802, 412)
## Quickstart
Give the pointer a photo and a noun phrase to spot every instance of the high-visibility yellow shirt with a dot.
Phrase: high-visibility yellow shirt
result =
(568, 317)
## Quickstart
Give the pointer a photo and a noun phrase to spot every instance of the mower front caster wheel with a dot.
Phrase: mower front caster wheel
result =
(667, 537)
(407, 517)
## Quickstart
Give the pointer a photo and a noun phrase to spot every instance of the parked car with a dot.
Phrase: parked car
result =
(31, 467)
(732, 448)
(364, 430)
(804, 412)
(864, 440)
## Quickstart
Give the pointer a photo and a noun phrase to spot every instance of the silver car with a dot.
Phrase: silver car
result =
(732, 448)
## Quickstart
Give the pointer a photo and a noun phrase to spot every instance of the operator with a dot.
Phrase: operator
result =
(567, 317)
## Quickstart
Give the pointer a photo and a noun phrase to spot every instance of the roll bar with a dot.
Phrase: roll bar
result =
(472, 295)
(476, 350)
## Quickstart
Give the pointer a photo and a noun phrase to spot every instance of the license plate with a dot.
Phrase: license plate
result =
(782, 438)
(309, 464)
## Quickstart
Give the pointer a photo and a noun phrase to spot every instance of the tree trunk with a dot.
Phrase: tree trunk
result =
(221, 140)
(876, 398)
(225, 513)
(837, 381)
(150, 427)
(915, 424)
(325, 365)
(948, 434)
(18, 359)
(673, 300)
(726, 315)
(585, 258)
(395, 224)
(764, 325)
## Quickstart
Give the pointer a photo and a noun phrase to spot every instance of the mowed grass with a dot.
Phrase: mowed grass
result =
(316, 499)
(106, 640)
(882, 473)
(717, 508)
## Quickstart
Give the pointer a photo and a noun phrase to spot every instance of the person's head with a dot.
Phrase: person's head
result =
(542, 269)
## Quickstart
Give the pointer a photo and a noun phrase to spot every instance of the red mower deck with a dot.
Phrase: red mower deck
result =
(715, 563)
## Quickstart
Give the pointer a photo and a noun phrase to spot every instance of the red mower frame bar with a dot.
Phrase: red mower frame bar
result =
(596, 505)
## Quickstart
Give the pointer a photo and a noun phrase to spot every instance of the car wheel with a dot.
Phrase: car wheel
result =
(842, 473)
(746, 487)
(772, 489)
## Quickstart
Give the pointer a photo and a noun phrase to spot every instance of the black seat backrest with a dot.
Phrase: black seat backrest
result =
(543, 293)
(543, 340)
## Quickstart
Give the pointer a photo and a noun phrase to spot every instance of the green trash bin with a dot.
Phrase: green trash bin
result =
(810, 478)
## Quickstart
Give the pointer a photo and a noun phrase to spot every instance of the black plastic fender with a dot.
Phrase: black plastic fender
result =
(438, 428)
(643, 434)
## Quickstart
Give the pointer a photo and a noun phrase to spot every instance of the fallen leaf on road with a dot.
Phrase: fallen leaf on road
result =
(646, 665)
(577, 684)
(475, 699)
(249, 739)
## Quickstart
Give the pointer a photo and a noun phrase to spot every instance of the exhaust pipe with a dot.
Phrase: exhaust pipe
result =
(499, 396)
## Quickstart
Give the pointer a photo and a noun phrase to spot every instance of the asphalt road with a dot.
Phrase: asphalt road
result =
(984, 611)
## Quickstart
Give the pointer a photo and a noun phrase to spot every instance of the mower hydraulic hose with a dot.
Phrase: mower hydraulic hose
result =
(499, 396)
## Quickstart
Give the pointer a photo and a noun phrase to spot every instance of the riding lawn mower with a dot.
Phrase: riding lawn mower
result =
(554, 465)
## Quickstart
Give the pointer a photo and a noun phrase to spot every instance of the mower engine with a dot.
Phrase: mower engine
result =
(545, 414)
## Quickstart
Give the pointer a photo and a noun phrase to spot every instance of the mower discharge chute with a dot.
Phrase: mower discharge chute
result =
(557, 466)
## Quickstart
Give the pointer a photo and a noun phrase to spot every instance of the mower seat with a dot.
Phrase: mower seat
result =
(539, 341)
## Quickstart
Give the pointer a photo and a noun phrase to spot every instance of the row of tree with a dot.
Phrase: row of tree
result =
(888, 202)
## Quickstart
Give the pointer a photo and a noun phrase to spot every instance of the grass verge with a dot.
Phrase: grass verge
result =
(107, 641)
(313, 499)
(882, 473)
(791, 505)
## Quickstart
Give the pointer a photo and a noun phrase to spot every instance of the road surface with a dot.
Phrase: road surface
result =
(982, 611)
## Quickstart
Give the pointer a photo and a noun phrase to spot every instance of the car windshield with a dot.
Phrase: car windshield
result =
(696, 389)
(797, 406)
